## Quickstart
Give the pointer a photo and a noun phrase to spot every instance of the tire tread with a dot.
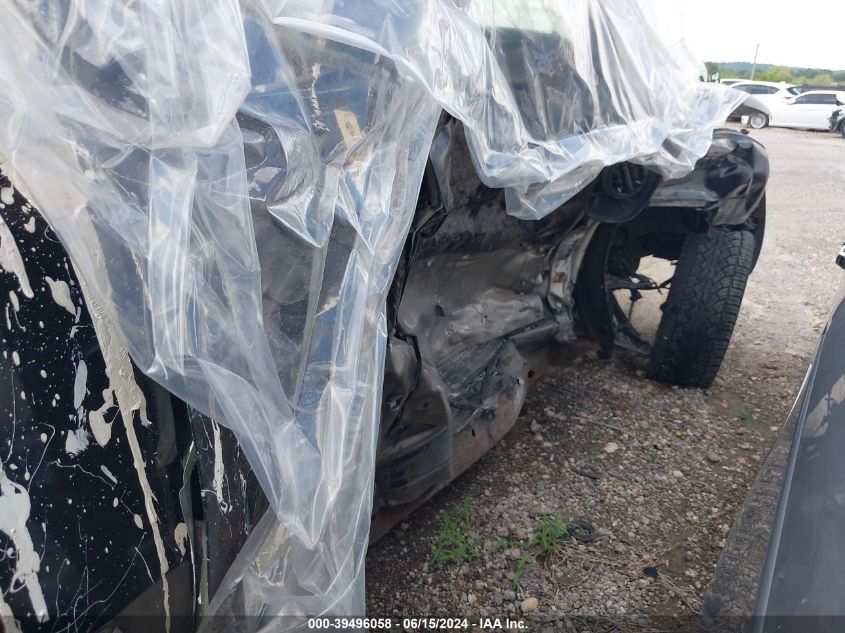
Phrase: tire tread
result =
(702, 307)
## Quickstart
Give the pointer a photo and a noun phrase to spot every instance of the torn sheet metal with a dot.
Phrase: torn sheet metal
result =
(234, 183)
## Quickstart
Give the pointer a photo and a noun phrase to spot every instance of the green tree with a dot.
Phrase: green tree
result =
(775, 73)
(797, 75)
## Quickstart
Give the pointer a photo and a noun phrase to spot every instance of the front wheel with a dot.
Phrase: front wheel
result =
(842, 129)
(702, 307)
(758, 121)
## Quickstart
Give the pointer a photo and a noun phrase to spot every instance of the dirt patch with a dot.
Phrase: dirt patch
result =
(659, 471)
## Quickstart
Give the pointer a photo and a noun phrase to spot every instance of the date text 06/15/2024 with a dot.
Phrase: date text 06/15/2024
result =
(416, 624)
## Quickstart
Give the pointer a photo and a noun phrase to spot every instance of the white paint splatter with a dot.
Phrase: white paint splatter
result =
(138, 521)
(44, 438)
(79, 383)
(16, 359)
(129, 398)
(108, 473)
(115, 502)
(17, 183)
(16, 306)
(61, 294)
(180, 535)
(217, 481)
(7, 618)
(43, 373)
(11, 260)
(14, 514)
(77, 441)
(30, 224)
(7, 195)
(97, 419)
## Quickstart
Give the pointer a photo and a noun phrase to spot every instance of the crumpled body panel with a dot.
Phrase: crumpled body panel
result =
(234, 183)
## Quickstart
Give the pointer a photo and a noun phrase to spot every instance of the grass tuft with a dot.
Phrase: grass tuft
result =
(454, 542)
(547, 535)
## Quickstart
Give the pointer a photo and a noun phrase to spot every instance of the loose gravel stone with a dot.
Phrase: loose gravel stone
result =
(611, 447)
(529, 604)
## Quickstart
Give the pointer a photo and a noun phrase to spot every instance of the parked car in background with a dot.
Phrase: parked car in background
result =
(808, 87)
(836, 122)
(753, 112)
(809, 111)
(730, 82)
(767, 90)
(765, 96)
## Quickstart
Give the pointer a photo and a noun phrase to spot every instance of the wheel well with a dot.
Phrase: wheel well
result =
(657, 232)
(660, 231)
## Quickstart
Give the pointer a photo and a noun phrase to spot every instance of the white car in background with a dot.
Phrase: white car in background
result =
(768, 91)
(808, 111)
(763, 97)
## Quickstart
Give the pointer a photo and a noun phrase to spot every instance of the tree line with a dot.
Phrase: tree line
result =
(768, 72)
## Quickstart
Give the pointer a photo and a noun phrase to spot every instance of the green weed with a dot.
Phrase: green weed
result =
(521, 564)
(453, 542)
(551, 529)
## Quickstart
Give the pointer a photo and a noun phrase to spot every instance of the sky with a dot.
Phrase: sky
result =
(800, 33)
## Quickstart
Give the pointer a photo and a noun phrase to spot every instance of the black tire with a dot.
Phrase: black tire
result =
(702, 307)
(758, 121)
(842, 129)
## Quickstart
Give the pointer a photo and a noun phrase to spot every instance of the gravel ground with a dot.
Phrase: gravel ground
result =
(659, 471)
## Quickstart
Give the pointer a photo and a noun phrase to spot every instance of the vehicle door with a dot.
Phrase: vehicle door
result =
(809, 111)
(771, 95)
(825, 104)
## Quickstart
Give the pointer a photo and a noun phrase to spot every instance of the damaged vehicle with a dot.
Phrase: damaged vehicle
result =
(481, 304)
(484, 303)
(262, 306)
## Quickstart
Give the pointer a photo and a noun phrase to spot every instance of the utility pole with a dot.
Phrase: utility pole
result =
(754, 63)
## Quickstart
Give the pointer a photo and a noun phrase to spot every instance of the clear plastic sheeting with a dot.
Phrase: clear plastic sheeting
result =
(666, 18)
(234, 183)
(550, 91)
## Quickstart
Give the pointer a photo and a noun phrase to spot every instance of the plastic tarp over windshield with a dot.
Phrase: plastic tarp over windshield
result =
(234, 183)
